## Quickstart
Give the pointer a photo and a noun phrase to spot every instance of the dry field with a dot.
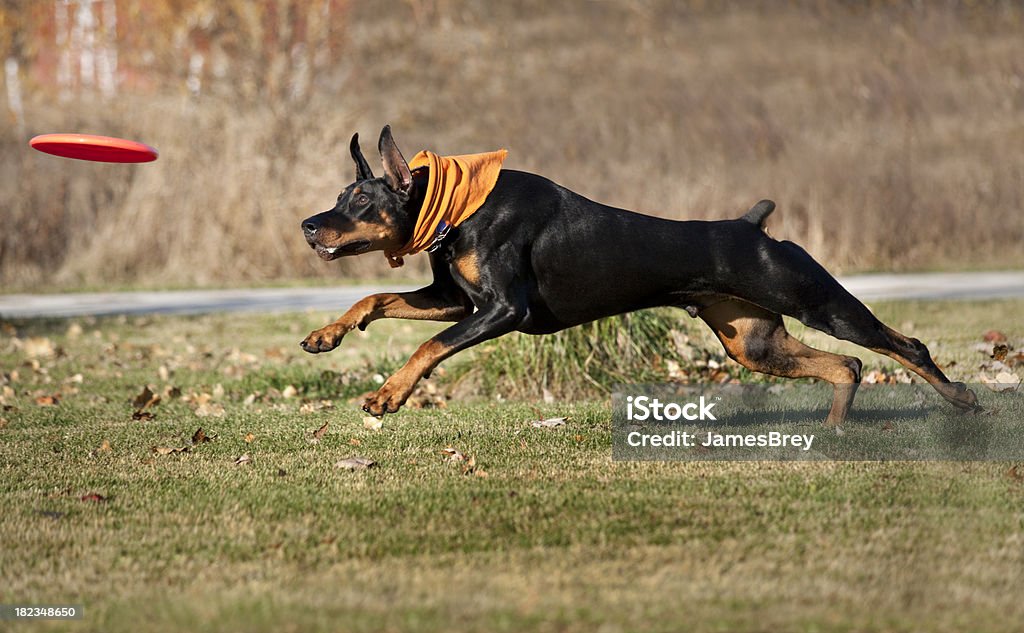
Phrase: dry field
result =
(890, 137)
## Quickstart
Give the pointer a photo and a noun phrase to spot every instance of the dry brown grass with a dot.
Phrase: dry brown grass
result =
(891, 138)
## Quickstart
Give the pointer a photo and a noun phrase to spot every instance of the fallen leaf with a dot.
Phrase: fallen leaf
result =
(426, 396)
(1016, 473)
(209, 409)
(105, 446)
(249, 437)
(888, 426)
(312, 407)
(39, 347)
(3, 422)
(319, 433)
(95, 497)
(47, 401)
(167, 450)
(200, 437)
(356, 463)
(469, 467)
(243, 459)
(1002, 383)
(994, 336)
(549, 423)
(372, 423)
(289, 392)
(453, 454)
(197, 399)
(354, 441)
(143, 415)
(145, 399)
(999, 351)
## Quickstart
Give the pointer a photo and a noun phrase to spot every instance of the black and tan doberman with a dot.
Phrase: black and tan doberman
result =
(538, 258)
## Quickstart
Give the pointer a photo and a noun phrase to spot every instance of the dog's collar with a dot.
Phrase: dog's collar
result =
(443, 228)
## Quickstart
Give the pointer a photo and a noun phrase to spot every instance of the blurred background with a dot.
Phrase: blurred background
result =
(891, 134)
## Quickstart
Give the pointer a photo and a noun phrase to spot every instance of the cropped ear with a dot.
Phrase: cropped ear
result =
(362, 167)
(396, 170)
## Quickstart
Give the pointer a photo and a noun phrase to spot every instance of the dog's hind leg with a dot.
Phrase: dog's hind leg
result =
(801, 288)
(757, 339)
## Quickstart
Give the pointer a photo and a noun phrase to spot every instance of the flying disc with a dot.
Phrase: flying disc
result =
(103, 149)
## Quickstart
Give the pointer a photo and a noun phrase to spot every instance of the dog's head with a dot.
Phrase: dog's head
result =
(371, 214)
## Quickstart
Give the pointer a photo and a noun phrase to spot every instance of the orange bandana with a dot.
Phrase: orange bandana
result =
(456, 187)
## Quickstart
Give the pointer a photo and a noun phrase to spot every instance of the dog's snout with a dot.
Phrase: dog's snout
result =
(310, 226)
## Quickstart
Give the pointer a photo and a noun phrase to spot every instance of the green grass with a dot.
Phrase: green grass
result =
(545, 533)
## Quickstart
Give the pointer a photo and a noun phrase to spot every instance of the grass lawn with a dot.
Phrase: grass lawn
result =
(535, 529)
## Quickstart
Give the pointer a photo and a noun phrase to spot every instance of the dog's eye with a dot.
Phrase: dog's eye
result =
(362, 200)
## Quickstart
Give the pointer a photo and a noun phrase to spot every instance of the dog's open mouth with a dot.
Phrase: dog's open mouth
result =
(333, 252)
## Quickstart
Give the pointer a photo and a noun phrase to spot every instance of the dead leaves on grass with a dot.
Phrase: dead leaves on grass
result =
(104, 448)
(1003, 382)
(896, 376)
(466, 462)
(48, 400)
(314, 406)
(198, 438)
(356, 463)
(549, 423)
(209, 409)
(145, 399)
(1001, 363)
(37, 347)
(426, 395)
(1016, 473)
(319, 433)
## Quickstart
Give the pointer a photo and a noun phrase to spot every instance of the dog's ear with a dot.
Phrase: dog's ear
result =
(396, 170)
(363, 171)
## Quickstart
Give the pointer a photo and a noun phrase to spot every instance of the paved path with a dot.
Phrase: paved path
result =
(336, 299)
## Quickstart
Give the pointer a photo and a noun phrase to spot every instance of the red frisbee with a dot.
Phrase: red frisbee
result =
(104, 149)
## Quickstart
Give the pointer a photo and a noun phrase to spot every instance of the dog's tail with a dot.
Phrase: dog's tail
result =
(759, 212)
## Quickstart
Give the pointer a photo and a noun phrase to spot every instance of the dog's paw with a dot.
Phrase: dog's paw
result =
(388, 399)
(961, 397)
(323, 340)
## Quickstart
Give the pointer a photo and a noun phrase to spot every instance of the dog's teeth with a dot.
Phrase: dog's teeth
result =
(332, 250)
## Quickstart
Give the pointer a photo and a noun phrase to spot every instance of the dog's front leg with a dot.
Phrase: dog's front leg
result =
(483, 325)
(426, 304)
